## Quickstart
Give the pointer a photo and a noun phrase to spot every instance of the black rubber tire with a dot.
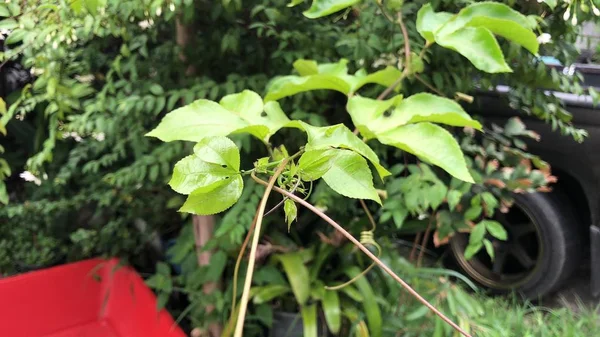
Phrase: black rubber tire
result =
(561, 234)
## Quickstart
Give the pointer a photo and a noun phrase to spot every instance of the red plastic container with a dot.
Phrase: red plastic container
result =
(92, 298)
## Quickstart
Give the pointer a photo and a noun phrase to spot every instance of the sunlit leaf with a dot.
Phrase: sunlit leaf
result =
(431, 143)
(327, 76)
(453, 198)
(479, 46)
(351, 177)
(428, 22)
(375, 117)
(321, 8)
(313, 164)
(219, 150)
(477, 234)
(338, 136)
(192, 173)
(236, 113)
(218, 199)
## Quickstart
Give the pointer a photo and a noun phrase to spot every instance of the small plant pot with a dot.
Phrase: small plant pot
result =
(287, 324)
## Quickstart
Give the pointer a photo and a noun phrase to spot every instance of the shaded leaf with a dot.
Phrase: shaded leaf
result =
(477, 234)
(297, 275)
(370, 306)
(453, 198)
(489, 248)
(331, 309)
(350, 176)
(309, 320)
(472, 249)
(291, 211)
(269, 292)
(495, 229)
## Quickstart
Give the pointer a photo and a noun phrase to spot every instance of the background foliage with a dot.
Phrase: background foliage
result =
(84, 81)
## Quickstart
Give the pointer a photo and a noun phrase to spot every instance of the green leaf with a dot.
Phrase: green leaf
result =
(338, 136)
(477, 234)
(495, 229)
(373, 117)
(436, 195)
(3, 193)
(509, 30)
(428, 22)
(194, 174)
(156, 89)
(9, 24)
(352, 292)
(453, 198)
(291, 211)
(327, 76)
(418, 313)
(351, 177)
(370, 306)
(219, 150)
(92, 6)
(306, 67)
(269, 292)
(217, 199)
(481, 11)
(431, 143)
(16, 36)
(321, 8)
(315, 163)
(309, 320)
(550, 3)
(479, 46)
(4, 11)
(489, 247)
(76, 6)
(331, 309)
(473, 212)
(490, 202)
(237, 113)
(297, 275)
(472, 249)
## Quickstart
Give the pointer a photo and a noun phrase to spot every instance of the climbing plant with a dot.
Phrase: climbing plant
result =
(212, 177)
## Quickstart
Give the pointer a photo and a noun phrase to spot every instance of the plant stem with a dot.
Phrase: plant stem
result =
(431, 87)
(407, 56)
(424, 242)
(367, 252)
(239, 327)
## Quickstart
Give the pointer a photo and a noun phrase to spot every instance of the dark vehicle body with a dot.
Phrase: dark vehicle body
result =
(577, 166)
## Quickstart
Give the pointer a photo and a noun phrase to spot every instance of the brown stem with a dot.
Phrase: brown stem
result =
(424, 242)
(239, 327)
(367, 252)
(413, 251)
(407, 55)
(369, 215)
(431, 87)
(391, 88)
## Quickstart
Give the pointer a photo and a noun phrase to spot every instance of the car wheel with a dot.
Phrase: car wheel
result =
(542, 250)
